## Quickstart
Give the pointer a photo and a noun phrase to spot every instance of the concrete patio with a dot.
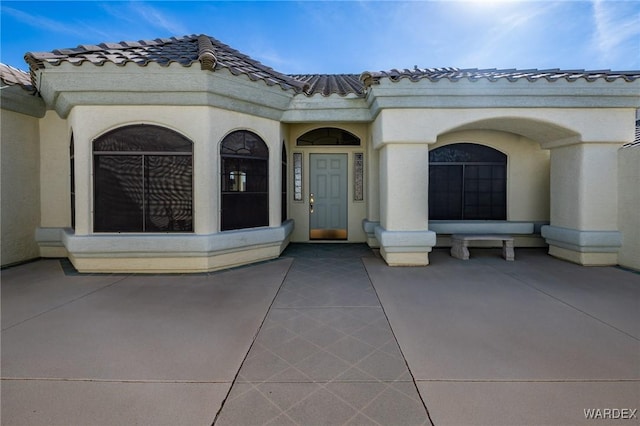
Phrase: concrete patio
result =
(326, 334)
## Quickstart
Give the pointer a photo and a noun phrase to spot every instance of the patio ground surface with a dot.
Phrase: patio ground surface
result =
(326, 334)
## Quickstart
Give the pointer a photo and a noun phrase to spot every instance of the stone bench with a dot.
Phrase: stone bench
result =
(460, 244)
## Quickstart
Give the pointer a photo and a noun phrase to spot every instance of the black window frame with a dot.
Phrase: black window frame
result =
(467, 181)
(284, 174)
(72, 181)
(328, 136)
(142, 181)
(244, 181)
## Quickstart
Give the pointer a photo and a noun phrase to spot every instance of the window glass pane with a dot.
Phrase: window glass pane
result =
(142, 137)
(284, 174)
(328, 136)
(244, 181)
(118, 193)
(244, 210)
(473, 186)
(466, 153)
(358, 176)
(136, 191)
(72, 178)
(168, 194)
(297, 176)
(445, 186)
(244, 143)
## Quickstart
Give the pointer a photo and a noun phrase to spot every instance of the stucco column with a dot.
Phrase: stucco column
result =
(584, 204)
(404, 189)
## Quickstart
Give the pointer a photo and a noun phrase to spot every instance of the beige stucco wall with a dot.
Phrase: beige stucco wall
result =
(204, 126)
(549, 126)
(299, 210)
(629, 206)
(404, 187)
(527, 170)
(584, 187)
(20, 194)
(55, 194)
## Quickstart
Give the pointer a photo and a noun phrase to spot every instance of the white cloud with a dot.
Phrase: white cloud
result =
(493, 44)
(616, 23)
(156, 18)
(145, 18)
(41, 22)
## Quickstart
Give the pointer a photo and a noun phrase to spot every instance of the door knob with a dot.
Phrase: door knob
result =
(311, 201)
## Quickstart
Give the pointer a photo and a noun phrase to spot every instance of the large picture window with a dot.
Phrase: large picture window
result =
(244, 181)
(467, 182)
(143, 179)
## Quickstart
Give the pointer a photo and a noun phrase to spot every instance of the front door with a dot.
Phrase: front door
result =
(328, 196)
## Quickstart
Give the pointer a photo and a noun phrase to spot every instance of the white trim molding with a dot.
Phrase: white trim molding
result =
(583, 246)
(155, 253)
(405, 248)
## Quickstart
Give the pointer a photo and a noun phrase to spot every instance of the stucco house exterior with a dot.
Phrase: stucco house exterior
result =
(185, 155)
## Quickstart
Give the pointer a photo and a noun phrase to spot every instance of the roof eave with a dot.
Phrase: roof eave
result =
(65, 86)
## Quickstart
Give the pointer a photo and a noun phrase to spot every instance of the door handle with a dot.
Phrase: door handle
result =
(311, 202)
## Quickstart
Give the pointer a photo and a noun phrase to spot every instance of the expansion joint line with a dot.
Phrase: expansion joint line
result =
(413, 379)
(515, 276)
(66, 303)
(255, 337)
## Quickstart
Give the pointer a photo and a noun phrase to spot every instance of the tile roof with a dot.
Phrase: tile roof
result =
(11, 76)
(328, 84)
(187, 50)
(492, 74)
(214, 55)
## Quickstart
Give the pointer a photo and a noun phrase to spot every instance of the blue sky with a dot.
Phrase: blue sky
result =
(349, 36)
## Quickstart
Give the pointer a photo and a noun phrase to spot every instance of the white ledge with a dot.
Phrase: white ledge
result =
(154, 245)
(583, 241)
(480, 227)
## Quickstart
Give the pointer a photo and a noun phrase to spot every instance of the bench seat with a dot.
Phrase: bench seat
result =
(460, 244)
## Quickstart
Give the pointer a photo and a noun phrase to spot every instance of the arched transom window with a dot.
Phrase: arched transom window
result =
(244, 180)
(328, 136)
(467, 182)
(143, 180)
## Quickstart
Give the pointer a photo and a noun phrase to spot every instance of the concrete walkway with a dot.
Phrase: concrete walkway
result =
(327, 334)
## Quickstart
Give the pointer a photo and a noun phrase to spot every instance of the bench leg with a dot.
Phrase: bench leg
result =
(507, 250)
(459, 250)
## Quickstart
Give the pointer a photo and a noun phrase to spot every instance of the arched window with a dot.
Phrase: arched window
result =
(143, 180)
(328, 136)
(244, 180)
(467, 181)
(72, 182)
(284, 182)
